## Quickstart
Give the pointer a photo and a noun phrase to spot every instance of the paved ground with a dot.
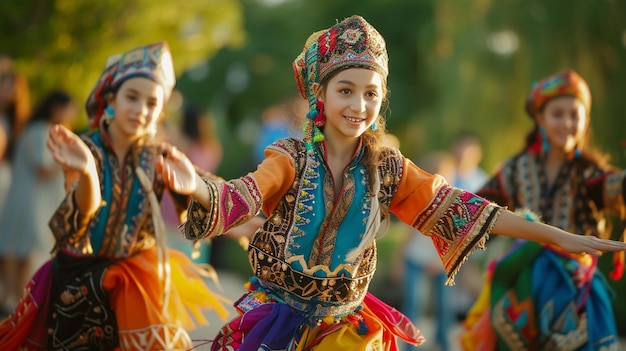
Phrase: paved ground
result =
(232, 288)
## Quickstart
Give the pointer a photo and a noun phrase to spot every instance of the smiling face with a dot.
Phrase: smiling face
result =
(352, 101)
(565, 121)
(138, 104)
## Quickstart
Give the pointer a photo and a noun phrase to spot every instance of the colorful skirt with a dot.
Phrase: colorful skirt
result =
(120, 305)
(268, 323)
(538, 297)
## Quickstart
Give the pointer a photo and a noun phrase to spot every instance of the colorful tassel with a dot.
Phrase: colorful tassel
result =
(315, 118)
(545, 143)
(618, 265)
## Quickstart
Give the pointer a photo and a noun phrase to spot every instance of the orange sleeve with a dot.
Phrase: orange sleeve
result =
(416, 191)
(274, 176)
(457, 221)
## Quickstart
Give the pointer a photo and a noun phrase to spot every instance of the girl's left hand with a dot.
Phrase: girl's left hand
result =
(590, 244)
(178, 172)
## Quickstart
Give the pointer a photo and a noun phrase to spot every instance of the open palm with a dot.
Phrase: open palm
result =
(68, 149)
(591, 245)
(178, 172)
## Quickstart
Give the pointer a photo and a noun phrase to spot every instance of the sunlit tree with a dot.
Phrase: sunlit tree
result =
(65, 43)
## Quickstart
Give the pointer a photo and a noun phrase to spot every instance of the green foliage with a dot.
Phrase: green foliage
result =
(276, 35)
(455, 65)
(65, 43)
(487, 53)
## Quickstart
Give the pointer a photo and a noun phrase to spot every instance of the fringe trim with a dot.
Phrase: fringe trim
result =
(479, 244)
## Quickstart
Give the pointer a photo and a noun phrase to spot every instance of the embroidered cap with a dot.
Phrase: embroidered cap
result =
(351, 43)
(153, 61)
(567, 82)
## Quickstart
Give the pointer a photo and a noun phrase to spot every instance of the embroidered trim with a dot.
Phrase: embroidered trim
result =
(156, 337)
(232, 203)
(458, 222)
(331, 296)
(201, 221)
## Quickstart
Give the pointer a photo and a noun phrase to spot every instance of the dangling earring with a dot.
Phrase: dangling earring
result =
(109, 113)
(578, 152)
(545, 144)
(374, 126)
(580, 145)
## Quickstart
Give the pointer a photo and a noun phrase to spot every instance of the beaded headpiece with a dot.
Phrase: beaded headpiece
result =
(153, 61)
(351, 43)
(567, 82)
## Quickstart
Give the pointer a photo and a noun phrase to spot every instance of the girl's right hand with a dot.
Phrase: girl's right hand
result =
(178, 172)
(69, 150)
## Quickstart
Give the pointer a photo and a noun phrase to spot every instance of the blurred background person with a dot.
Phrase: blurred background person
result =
(536, 296)
(421, 273)
(282, 120)
(468, 152)
(37, 188)
(196, 136)
(15, 109)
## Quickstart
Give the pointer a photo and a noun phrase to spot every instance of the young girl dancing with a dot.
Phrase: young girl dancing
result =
(112, 282)
(324, 198)
(541, 297)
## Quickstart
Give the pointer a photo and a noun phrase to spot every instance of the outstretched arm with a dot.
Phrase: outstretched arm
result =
(75, 158)
(510, 224)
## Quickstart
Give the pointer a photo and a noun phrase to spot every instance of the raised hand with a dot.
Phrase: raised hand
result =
(69, 150)
(178, 172)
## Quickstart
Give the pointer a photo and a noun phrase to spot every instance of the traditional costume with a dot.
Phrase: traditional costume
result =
(315, 256)
(538, 297)
(112, 282)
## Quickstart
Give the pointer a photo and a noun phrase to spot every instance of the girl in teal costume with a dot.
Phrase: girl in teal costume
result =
(324, 197)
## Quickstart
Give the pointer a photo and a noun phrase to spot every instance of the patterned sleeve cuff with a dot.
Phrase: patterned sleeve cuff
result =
(458, 222)
(67, 221)
(199, 218)
(231, 203)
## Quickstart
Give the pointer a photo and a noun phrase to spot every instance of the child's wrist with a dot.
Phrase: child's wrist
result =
(90, 168)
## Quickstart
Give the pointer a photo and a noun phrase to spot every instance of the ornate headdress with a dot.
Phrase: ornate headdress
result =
(567, 82)
(351, 43)
(152, 61)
